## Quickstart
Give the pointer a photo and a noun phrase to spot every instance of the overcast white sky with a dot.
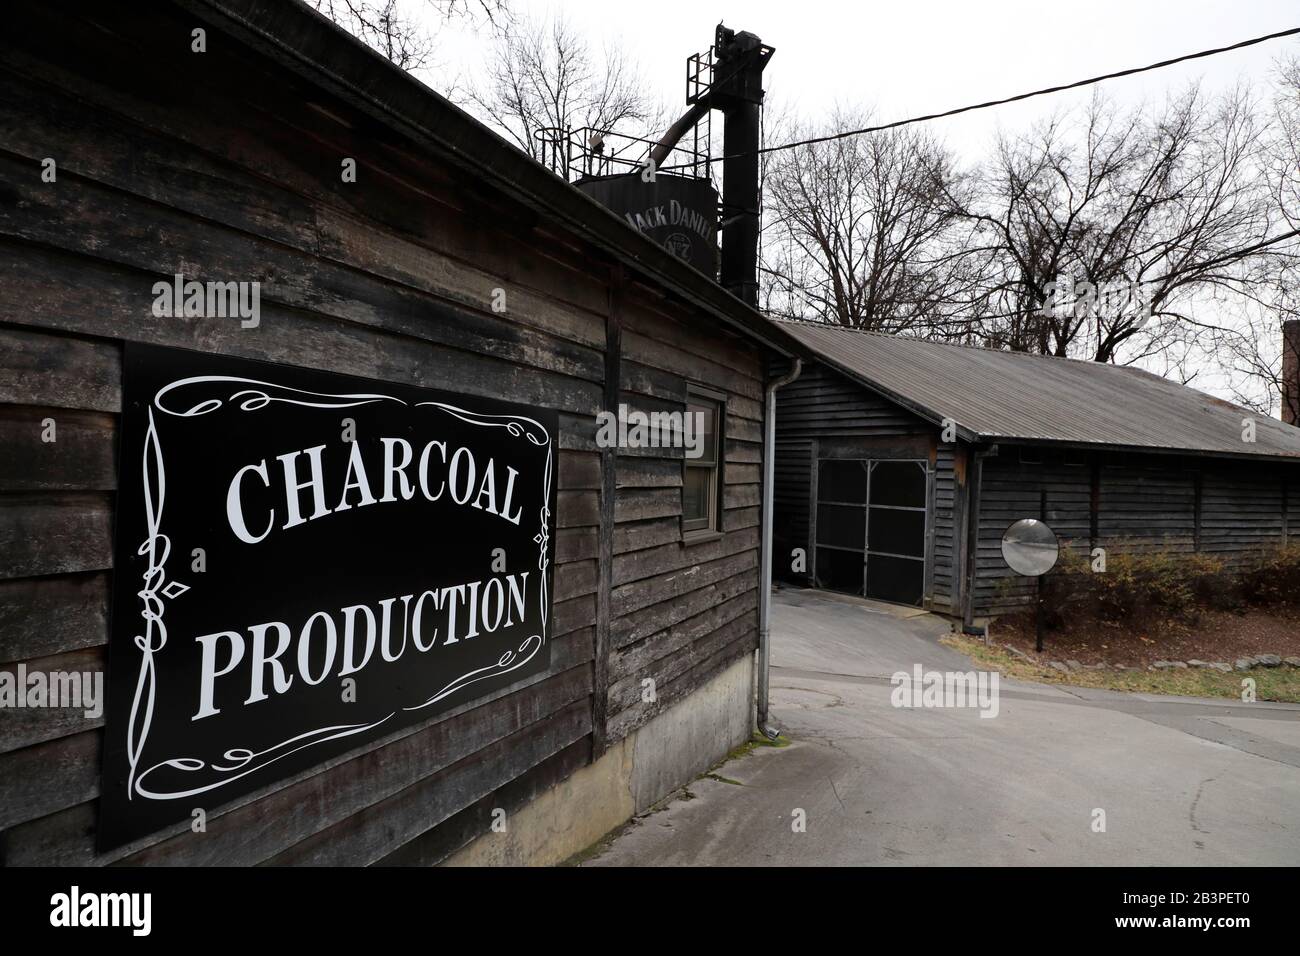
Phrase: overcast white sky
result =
(919, 56)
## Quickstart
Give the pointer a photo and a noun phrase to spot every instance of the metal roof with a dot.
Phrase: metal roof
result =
(1017, 396)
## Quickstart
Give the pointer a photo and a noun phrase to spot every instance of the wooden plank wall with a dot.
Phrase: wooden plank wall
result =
(222, 166)
(795, 474)
(681, 612)
(1241, 510)
(1293, 505)
(949, 471)
(823, 403)
(1009, 491)
(1145, 504)
(1144, 509)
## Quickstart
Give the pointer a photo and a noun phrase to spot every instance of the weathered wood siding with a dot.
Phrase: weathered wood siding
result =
(793, 492)
(1293, 506)
(946, 527)
(681, 612)
(1130, 503)
(1241, 510)
(824, 403)
(1010, 490)
(223, 166)
(1148, 507)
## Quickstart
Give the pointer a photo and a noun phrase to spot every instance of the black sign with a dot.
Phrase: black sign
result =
(307, 562)
(679, 213)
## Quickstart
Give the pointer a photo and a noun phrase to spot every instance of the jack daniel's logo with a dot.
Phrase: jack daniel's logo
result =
(672, 213)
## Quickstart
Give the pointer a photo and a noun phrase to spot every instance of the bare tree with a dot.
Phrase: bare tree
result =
(1249, 357)
(1284, 146)
(1250, 349)
(857, 229)
(1097, 236)
(393, 28)
(545, 75)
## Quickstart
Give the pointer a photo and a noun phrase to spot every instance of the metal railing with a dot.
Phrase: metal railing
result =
(579, 153)
(699, 76)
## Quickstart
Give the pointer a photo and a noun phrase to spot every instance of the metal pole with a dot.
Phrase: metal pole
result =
(765, 550)
(1038, 600)
(1038, 615)
(739, 265)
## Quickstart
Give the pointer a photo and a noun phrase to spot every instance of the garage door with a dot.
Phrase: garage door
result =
(871, 528)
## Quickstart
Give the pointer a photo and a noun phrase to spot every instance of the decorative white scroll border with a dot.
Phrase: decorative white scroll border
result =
(240, 761)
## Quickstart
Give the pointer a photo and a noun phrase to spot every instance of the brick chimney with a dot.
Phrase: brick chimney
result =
(1291, 371)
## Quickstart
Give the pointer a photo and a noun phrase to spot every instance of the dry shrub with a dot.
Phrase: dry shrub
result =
(1271, 577)
(1137, 586)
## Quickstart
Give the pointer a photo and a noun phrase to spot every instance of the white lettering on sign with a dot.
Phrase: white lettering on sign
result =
(458, 612)
(673, 214)
(470, 482)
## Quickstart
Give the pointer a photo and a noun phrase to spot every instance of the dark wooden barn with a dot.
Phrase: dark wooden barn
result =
(128, 155)
(900, 464)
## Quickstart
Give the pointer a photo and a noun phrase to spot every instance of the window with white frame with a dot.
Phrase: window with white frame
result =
(702, 476)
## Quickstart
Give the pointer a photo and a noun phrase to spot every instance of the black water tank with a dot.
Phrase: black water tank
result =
(678, 212)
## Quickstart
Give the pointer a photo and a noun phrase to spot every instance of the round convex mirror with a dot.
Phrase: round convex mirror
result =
(1030, 547)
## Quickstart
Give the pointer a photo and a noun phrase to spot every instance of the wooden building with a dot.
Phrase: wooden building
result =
(900, 463)
(212, 139)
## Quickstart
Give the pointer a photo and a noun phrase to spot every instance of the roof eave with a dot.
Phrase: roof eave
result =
(1293, 458)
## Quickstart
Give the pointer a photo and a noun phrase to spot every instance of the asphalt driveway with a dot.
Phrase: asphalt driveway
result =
(1177, 781)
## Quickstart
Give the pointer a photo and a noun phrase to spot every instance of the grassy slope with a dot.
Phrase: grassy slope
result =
(1271, 683)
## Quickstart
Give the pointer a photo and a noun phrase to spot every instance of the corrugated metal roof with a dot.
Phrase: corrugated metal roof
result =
(1017, 396)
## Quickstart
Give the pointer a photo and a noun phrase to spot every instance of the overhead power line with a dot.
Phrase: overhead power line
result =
(1012, 99)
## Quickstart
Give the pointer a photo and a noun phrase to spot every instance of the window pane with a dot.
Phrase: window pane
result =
(842, 481)
(706, 414)
(895, 579)
(695, 493)
(898, 532)
(842, 525)
(839, 570)
(898, 483)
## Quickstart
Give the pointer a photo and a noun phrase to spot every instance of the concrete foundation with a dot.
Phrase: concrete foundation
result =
(633, 775)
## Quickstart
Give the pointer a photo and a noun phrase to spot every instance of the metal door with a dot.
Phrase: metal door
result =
(871, 527)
